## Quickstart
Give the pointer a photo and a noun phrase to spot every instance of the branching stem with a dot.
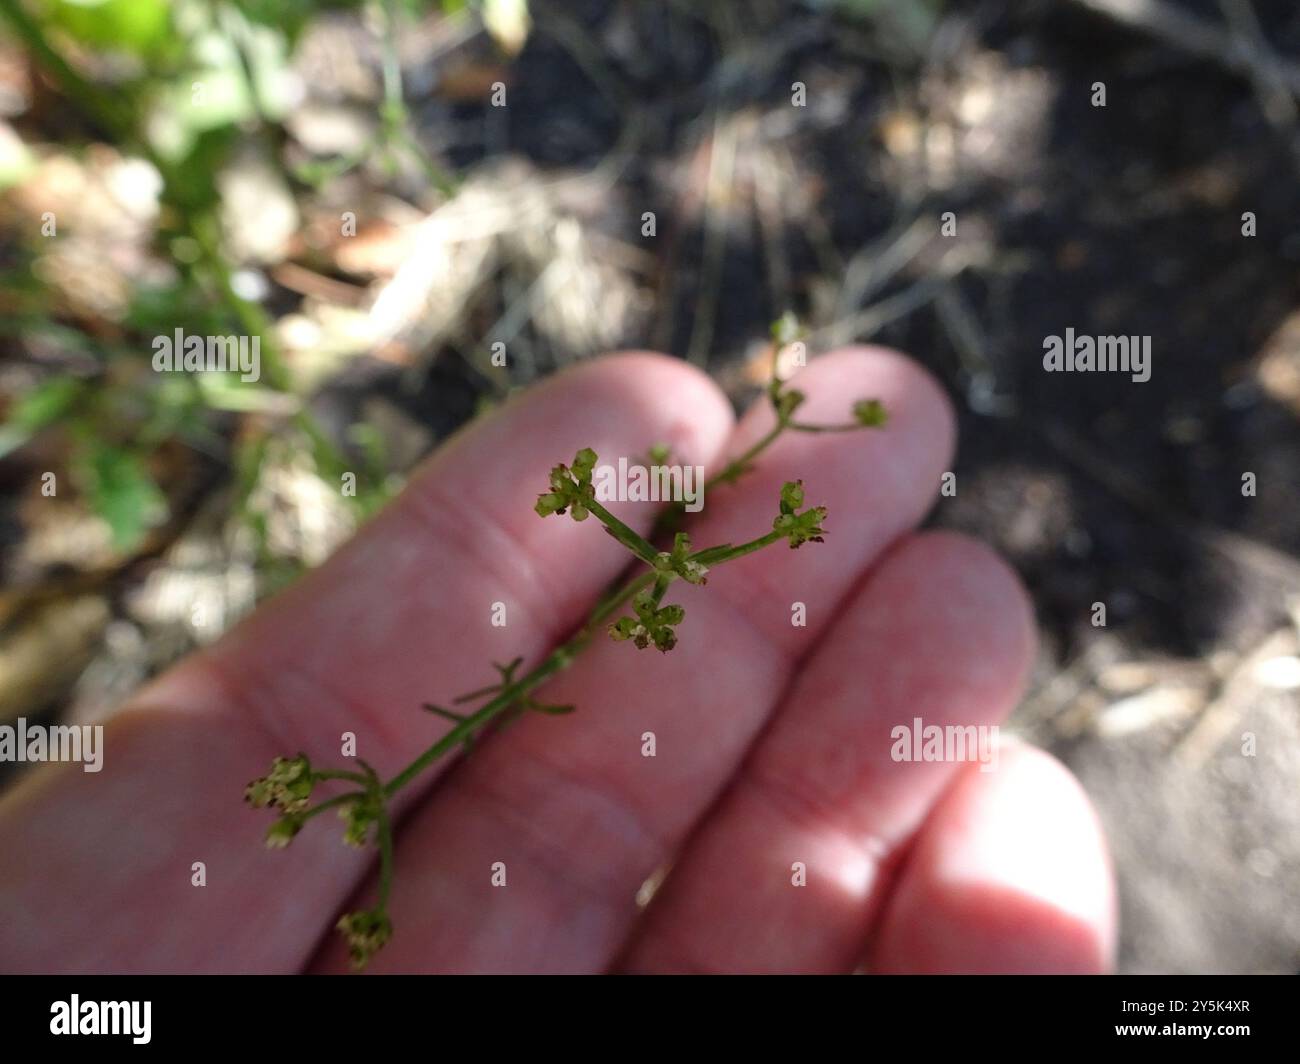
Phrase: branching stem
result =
(652, 622)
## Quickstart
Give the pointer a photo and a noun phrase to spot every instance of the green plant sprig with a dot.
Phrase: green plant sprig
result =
(633, 611)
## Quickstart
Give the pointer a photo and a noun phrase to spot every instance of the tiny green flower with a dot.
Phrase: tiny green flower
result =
(366, 933)
(551, 502)
(650, 625)
(628, 628)
(287, 786)
(680, 562)
(258, 793)
(870, 413)
(358, 816)
(799, 528)
(665, 639)
(791, 496)
(570, 488)
(281, 833)
(670, 615)
(583, 463)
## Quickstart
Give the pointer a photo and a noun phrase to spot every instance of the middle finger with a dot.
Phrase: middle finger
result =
(575, 815)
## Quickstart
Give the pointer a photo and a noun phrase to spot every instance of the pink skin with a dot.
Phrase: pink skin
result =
(772, 741)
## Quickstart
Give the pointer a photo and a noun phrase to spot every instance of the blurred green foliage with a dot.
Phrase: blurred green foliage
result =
(202, 77)
(140, 26)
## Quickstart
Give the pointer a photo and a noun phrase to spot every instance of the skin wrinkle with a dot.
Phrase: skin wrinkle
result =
(598, 885)
(531, 585)
(273, 683)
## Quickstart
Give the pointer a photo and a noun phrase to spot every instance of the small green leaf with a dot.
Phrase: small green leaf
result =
(124, 495)
(43, 405)
(124, 25)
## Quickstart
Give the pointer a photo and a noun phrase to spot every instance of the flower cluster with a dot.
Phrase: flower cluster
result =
(364, 810)
(366, 933)
(798, 527)
(679, 561)
(282, 832)
(287, 786)
(571, 487)
(360, 816)
(652, 624)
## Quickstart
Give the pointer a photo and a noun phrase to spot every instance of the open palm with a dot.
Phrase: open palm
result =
(781, 833)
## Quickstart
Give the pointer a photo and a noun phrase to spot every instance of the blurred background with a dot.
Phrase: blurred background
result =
(385, 193)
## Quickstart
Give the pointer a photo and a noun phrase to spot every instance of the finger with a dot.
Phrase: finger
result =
(399, 616)
(1009, 875)
(574, 810)
(786, 873)
(876, 485)
(460, 571)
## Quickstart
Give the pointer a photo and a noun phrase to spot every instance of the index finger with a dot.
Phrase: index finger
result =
(401, 615)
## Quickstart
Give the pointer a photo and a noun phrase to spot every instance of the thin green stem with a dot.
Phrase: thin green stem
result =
(330, 803)
(562, 656)
(385, 832)
(603, 611)
(726, 552)
(629, 537)
(733, 470)
(396, 117)
(661, 586)
(471, 724)
(394, 101)
(558, 660)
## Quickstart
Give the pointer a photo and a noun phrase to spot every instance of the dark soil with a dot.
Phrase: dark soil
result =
(1117, 220)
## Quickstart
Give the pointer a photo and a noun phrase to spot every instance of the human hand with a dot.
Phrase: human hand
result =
(772, 742)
